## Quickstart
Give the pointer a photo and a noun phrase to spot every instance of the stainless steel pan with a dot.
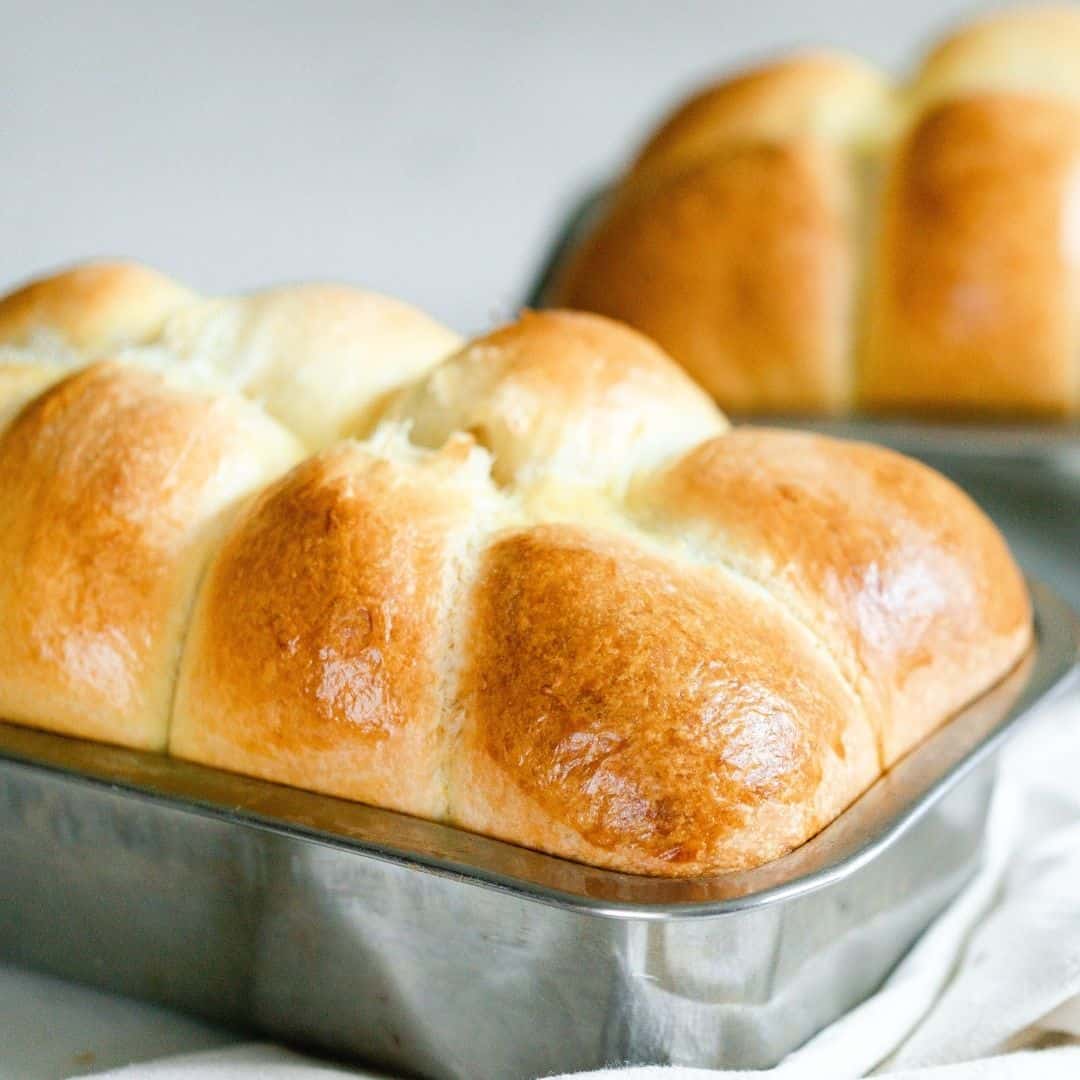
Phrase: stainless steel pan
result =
(431, 950)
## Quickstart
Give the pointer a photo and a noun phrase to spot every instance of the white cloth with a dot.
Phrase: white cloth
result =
(990, 992)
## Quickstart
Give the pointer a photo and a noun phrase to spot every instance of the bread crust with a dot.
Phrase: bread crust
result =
(906, 582)
(320, 358)
(94, 308)
(21, 382)
(976, 277)
(1032, 49)
(315, 657)
(112, 487)
(742, 268)
(819, 94)
(647, 717)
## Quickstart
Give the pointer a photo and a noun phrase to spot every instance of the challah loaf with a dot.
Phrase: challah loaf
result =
(806, 237)
(551, 597)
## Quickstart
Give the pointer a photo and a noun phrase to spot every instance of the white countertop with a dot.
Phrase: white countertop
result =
(51, 1029)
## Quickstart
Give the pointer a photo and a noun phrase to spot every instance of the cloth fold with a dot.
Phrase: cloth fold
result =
(991, 991)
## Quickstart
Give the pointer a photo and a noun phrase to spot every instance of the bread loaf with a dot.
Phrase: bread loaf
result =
(550, 596)
(807, 237)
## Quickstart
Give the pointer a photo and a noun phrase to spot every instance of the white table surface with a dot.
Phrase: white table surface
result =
(424, 149)
(50, 1028)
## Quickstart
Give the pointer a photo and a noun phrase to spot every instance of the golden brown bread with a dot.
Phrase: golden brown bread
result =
(894, 568)
(628, 711)
(803, 238)
(983, 312)
(112, 487)
(93, 309)
(335, 682)
(572, 609)
(742, 267)
(319, 358)
(835, 98)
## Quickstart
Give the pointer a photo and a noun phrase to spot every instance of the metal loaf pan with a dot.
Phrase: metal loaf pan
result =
(430, 950)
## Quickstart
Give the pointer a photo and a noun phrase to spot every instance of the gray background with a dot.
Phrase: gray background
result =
(424, 149)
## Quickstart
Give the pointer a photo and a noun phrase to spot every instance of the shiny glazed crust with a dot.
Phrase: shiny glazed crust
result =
(632, 712)
(112, 487)
(334, 684)
(553, 597)
(805, 238)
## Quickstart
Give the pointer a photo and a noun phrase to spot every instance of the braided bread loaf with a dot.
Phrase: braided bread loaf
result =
(552, 597)
(806, 237)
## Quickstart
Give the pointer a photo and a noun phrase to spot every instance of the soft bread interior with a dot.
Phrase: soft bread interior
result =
(561, 396)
